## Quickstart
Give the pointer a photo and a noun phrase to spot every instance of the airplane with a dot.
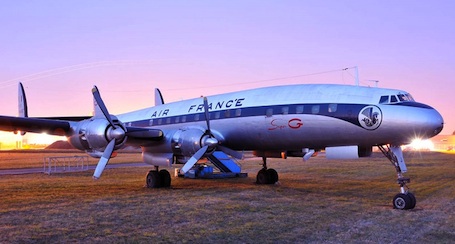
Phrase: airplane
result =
(345, 121)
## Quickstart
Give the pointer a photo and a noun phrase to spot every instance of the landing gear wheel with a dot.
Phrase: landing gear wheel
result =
(153, 179)
(273, 176)
(262, 177)
(165, 178)
(404, 201)
(413, 200)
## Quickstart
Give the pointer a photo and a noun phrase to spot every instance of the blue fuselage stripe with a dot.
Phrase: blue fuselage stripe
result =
(346, 112)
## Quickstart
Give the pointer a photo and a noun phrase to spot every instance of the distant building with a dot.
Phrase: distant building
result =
(444, 142)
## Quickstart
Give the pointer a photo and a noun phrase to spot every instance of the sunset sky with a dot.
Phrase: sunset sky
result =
(60, 49)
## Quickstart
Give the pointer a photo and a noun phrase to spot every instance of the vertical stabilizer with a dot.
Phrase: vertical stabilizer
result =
(22, 102)
(96, 109)
(158, 97)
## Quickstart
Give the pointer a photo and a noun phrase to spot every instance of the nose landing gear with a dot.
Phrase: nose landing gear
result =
(405, 199)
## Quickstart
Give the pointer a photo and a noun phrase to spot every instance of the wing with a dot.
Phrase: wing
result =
(35, 125)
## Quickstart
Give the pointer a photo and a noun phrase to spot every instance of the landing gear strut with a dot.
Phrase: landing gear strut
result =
(405, 199)
(266, 176)
(158, 179)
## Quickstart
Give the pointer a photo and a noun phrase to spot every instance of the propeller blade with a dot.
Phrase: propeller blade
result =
(231, 152)
(104, 159)
(99, 101)
(193, 160)
(206, 111)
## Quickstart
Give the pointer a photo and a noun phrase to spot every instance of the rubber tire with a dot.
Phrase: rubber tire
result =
(153, 179)
(262, 177)
(273, 176)
(402, 201)
(413, 200)
(165, 178)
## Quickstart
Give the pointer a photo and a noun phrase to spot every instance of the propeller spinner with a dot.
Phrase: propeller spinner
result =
(115, 133)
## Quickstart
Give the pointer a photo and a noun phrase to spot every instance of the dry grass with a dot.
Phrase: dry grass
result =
(315, 201)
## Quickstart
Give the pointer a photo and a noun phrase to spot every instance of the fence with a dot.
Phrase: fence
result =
(65, 164)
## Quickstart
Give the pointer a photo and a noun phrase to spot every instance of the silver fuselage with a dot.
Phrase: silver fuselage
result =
(297, 116)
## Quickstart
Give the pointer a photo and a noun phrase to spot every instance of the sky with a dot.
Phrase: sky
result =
(60, 49)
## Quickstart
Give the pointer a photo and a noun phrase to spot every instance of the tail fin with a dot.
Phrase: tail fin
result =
(96, 109)
(22, 103)
(158, 97)
(23, 110)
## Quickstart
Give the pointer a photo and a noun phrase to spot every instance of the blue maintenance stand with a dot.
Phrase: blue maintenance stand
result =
(227, 166)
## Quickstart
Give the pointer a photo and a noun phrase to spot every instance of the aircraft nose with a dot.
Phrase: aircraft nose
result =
(434, 123)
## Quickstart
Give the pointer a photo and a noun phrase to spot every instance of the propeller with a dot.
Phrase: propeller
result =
(104, 159)
(210, 142)
(115, 133)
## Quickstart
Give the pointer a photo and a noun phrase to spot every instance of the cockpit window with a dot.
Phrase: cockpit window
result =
(384, 99)
(396, 98)
(393, 99)
(405, 97)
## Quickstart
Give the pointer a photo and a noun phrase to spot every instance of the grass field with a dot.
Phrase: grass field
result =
(315, 201)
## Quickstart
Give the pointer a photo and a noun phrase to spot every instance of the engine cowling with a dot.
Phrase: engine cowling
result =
(95, 134)
(186, 142)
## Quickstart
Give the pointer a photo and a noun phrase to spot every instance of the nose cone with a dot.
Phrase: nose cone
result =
(432, 123)
(439, 123)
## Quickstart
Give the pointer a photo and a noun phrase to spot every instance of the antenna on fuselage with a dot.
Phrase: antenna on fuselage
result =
(357, 82)
(375, 82)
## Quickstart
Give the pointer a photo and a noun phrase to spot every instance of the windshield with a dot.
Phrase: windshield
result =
(396, 98)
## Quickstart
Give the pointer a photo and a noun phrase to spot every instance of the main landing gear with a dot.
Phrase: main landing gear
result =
(405, 199)
(158, 179)
(266, 176)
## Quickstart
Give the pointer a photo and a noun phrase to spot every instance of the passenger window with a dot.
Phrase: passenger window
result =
(227, 113)
(332, 108)
(299, 109)
(269, 112)
(183, 119)
(393, 99)
(315, 109)
(217, 115)
(160, 121)
(384, 99)
(150, 122)
(168, 120)
(285, 110)
(238, 112)
(177, 119)
(196, 117)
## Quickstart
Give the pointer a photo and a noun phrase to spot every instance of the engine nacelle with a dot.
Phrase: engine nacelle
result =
(347, 152)
(158, 159)
(186, 142)
(94, 134)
